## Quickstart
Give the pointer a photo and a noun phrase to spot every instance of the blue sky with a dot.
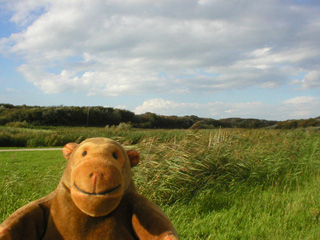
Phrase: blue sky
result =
(216, 59)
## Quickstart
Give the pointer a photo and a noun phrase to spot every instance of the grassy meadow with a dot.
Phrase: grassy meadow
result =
(213, 184)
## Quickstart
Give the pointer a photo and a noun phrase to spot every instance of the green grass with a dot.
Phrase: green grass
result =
(26, 176)
(59, 136)
(252, 214)
(217, 184)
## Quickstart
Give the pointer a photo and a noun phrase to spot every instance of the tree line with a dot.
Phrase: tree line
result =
(106, 116)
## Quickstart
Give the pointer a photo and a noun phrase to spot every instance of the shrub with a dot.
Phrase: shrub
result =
(54, 140)
(23, 124)
(12, 140)
(3, 121)
(124, 127)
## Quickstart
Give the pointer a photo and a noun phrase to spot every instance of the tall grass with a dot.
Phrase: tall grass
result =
(59, 136)
(224, 160)
(236, 184)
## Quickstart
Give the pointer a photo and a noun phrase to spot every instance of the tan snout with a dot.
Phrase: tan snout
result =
(96, 187)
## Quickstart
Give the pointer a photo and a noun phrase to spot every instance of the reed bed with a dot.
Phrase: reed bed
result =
(225, 160)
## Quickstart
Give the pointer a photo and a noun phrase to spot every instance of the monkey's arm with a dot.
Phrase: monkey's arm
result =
(149, 222)
(28, 222)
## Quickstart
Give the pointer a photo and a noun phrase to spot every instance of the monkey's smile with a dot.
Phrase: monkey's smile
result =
(97, 194)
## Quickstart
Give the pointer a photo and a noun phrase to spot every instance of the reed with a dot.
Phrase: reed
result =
(224, 160)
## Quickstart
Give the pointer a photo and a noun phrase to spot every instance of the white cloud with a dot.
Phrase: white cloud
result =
(119, 48)
(48, 82)
(212, 109)
(261, 52)
(132, 43)
(311, 80)
(10, 90)
(300, 107)
(25, 12)
(166, 107)
(301, 100)
(122, 107)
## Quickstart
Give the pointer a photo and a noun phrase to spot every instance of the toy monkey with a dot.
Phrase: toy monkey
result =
(96, 199)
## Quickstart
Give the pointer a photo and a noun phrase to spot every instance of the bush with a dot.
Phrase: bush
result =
(124, 127)
(12, 140)
(23, 124)
(36, 142)
(53, 140)
(3, 121)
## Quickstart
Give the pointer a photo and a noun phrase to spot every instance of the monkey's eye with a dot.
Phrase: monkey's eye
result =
(115, 155)
(84, 153)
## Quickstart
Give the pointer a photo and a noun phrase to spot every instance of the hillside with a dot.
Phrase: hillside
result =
(103, 116)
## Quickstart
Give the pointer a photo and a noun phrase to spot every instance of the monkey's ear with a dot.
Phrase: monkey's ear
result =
(134, 157)
(68, 149)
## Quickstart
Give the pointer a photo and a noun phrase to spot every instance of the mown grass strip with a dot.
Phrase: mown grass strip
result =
(29, 149)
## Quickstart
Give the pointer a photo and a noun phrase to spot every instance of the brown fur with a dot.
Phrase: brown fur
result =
(95, 199)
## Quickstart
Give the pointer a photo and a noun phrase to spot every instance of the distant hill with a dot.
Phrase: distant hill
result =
(102, 116)
(302, 123)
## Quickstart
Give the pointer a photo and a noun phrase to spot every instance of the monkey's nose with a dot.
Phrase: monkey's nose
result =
(95, 178)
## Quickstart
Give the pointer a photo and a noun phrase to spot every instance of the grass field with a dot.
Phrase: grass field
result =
(58, 136)
(218, 184)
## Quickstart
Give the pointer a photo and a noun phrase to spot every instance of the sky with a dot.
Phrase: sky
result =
(209, 58)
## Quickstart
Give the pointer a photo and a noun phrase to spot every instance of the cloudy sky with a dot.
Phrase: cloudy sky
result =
(210, 58)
